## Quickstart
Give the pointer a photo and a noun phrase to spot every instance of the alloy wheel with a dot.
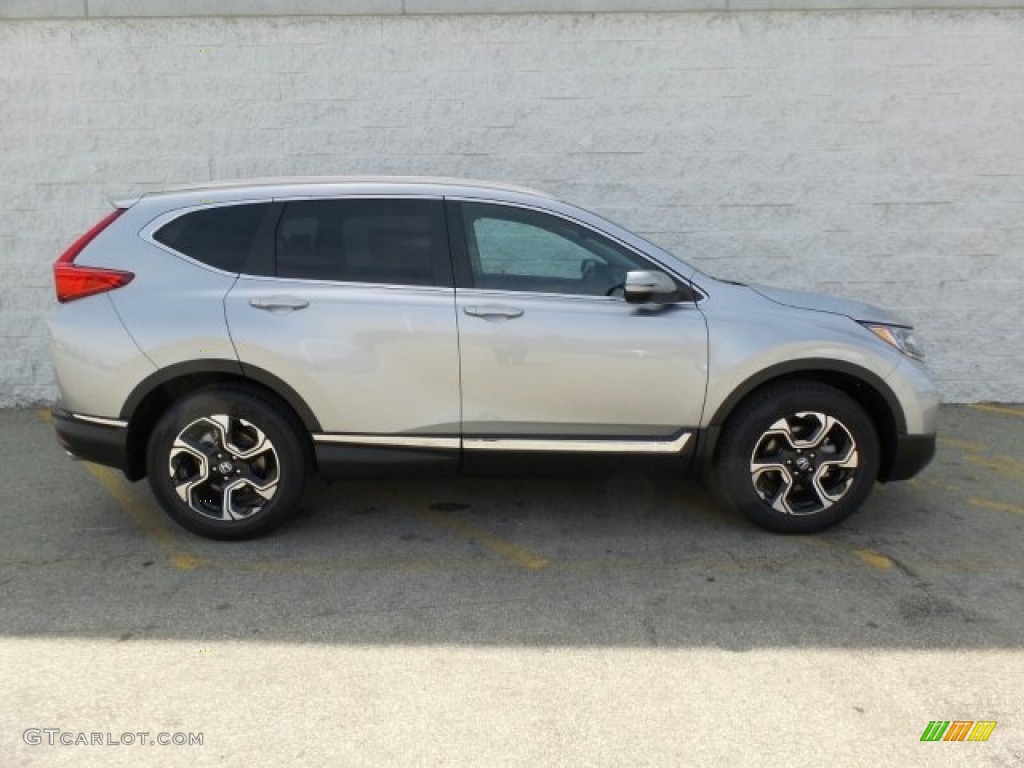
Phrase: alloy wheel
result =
(223, 467)
(804, 463)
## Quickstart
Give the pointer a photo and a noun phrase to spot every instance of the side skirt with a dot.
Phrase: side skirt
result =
(388, 455)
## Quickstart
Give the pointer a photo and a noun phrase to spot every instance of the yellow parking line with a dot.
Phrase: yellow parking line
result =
(518, 555)
(964, 445)
(1002, 465)
(926, 480)
(152, 525)
(358, 564)
(874, 559)
(867, 556)
(1011, 462)
(998, 506)
(991, 408)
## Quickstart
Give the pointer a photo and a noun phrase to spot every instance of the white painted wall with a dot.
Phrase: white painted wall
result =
(874, 154)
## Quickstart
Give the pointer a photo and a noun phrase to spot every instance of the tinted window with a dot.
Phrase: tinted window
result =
(515, 249)
(222, 237)
(397, 242)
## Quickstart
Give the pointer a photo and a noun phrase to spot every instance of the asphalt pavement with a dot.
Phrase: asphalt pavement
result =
(622, 620)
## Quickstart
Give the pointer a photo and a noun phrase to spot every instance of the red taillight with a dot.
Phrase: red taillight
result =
(78, 282)
(74, 282)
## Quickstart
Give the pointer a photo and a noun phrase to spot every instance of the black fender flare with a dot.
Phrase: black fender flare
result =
(814, 367)
(219, 365)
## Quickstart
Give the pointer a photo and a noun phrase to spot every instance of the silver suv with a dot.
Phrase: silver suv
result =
(227, 340)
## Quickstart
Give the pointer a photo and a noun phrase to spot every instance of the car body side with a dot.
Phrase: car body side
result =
(171, 331)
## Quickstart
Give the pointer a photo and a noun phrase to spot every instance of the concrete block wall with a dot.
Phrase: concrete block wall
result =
(874, 154)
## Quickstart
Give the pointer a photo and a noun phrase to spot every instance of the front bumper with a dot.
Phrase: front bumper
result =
(911, 454)
(100, 443)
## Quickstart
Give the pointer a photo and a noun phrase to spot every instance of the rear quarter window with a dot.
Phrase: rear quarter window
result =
(221, 237)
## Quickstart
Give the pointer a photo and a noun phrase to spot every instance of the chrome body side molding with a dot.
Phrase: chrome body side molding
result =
(513, 444)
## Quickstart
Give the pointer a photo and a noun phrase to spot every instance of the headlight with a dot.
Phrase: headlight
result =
(899, 337)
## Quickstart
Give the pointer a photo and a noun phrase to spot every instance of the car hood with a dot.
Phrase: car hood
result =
(855, 310)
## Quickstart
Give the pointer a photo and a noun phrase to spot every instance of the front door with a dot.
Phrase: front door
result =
(552, 357)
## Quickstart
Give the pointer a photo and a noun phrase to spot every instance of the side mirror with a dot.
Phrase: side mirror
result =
(647, 286)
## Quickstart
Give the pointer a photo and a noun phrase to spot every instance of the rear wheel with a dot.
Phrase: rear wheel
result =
(797, 457)
(227, 464)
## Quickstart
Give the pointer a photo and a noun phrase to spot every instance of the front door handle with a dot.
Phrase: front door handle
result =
(278, 303)
(494, 312)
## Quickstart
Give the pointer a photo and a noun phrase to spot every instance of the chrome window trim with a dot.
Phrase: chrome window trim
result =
(119, 423)
(349, 284)
(582, 297)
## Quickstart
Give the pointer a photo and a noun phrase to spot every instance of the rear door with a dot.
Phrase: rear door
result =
(354, 310)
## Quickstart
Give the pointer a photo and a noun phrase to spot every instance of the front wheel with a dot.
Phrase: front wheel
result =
(227, 464)
(798, 457)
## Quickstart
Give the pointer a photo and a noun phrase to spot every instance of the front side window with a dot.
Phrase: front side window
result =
(516, 249)
(396, 242)
(221, 237)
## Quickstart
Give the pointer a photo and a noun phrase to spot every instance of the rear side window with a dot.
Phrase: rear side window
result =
(394, 242)
(222, 237)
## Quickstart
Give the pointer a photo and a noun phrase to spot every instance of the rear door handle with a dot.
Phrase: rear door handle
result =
(494, 312)
(278, 303)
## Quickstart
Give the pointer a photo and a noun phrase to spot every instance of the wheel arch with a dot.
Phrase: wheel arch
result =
(866, 388)
(151, 397)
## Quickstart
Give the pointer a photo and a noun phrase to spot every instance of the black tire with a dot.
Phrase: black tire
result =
(227, 447)
(766, 470)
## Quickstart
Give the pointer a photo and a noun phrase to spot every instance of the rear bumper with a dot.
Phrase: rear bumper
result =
(912, 453)
(86, 438)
